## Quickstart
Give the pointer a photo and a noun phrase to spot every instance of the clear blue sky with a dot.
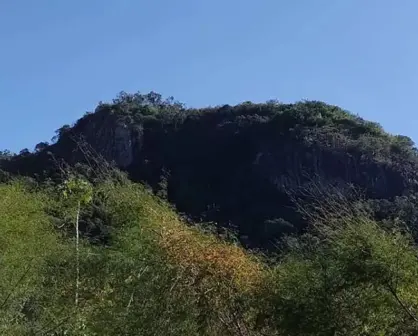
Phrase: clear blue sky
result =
(59, 58)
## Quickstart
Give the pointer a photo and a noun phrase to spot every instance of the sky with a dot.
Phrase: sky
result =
(58, 59)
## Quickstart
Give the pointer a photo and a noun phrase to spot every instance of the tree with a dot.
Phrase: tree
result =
(29, 244)
(351, 278)
(78, 192)
(41, 146)
(24, 152)
(5, 155)
(60, 132)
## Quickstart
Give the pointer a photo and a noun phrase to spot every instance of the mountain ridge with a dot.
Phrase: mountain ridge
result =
(239, 166)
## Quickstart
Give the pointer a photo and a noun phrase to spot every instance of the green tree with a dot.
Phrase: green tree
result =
(28, 244)
(351, 278)
(78, 192)
(41, 146)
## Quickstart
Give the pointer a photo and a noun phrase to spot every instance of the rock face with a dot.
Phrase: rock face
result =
(291, 168)
(115, 140)
(117, 144)
(122, 149)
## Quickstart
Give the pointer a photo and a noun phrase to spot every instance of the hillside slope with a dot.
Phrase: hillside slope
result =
(240, 166)
(157, 276)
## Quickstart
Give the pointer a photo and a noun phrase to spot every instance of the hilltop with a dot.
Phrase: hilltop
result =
(241, 166)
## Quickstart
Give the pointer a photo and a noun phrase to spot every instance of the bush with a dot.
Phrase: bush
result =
(346, 277)
(157, 276)
(27, 245)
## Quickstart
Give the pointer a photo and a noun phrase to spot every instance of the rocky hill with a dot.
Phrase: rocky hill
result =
(240, 166)
(87, 250)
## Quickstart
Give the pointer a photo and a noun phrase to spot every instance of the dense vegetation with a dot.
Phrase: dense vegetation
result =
(329, 197)
(155, 275)
(238, 166)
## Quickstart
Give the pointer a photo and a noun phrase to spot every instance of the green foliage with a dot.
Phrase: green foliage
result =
(239, 166)
(4, 176)
(28, 244)
(77, 190)
(141, 284)
(351, 278)
(157, 280)
(347, 275)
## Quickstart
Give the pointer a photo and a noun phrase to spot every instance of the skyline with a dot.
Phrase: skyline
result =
(59, 60)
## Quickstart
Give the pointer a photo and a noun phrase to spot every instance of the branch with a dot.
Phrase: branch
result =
(395, 295)
(15, 286)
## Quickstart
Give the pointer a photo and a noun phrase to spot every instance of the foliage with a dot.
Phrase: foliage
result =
(200, 279)
(239, 166)
(41, 146)
(348, 275)
(77, 190)
(354, 279)
(140, 284)
(5, 155)
(28, 245)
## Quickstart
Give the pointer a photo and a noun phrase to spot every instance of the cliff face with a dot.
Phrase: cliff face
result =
(115, 141)
(242, 166)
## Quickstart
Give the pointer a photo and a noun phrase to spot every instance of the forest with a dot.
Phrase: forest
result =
(147, 217)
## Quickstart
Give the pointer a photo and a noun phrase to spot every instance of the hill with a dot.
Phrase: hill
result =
(89, 249)
(242, 166)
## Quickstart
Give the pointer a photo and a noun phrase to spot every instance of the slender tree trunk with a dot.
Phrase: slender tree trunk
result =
(77, 252)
